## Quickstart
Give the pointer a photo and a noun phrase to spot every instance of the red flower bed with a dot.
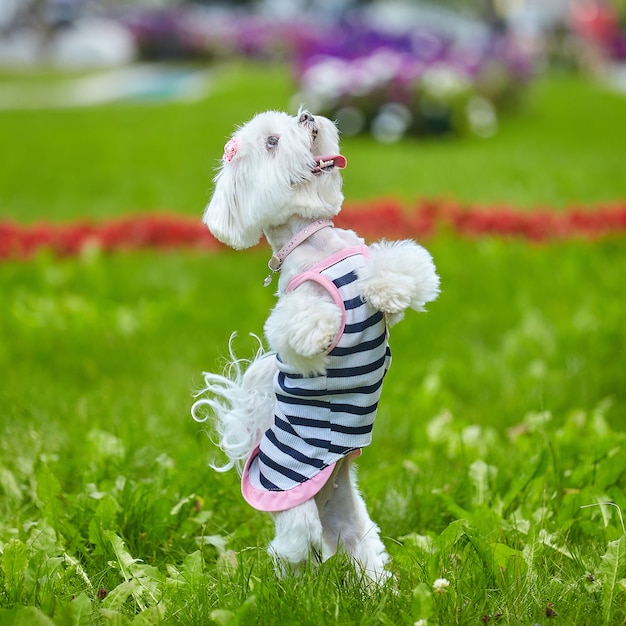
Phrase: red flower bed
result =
(372, 220)
(388, 218)
(142, 231)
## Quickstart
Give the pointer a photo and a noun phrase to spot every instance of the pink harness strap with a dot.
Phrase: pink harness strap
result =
(314, 274)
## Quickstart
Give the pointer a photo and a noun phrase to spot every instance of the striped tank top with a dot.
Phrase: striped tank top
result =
(320, 419)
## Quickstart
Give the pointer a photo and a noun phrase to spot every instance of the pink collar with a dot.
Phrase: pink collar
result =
(276, 262)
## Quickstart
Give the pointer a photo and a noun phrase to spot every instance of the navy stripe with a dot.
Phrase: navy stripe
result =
(340, 449)
(268, 484)
(320, 404)
(350, 328)
(312, 441)
(361, 326)
(356, 371)
(284, 426)
(307, 422)
(294, 454)
(282, 378)
(312, 393)
(352, 430)
(295, 376)
(353, 303)
(346, 279)
(277, 467)
(353, 409)
(365, 390)
(361, 347)
(317, 443)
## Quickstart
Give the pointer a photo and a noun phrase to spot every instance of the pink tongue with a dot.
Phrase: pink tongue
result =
(338, 160)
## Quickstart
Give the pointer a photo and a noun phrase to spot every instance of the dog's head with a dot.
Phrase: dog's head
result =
(275, 167)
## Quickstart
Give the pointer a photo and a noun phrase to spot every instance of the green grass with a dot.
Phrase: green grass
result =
(500, 434)
(566, 148)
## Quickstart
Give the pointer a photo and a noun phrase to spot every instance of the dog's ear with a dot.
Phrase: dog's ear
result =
(228, 215)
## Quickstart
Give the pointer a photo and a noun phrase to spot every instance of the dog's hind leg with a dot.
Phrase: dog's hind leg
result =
(298, 537)
(348, 527)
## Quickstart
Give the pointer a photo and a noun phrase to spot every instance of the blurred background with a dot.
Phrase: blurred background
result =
(387, 68)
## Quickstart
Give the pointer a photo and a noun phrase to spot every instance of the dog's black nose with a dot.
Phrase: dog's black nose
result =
(306, 117)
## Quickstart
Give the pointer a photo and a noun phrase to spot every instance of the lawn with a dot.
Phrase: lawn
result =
(498, 457)
(567, 147)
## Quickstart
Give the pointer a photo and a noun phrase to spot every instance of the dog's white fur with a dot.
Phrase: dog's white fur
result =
(268, 186)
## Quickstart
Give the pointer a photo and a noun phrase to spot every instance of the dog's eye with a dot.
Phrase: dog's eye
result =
(271, 142)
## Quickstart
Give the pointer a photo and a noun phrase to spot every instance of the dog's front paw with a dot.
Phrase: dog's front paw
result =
(302, 327)
(389, 294)
(398, 275)
(313, 335)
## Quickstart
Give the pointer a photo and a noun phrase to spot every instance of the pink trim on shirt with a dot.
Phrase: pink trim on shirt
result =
(274, 501)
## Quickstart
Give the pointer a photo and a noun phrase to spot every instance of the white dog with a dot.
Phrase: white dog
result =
(298, 415)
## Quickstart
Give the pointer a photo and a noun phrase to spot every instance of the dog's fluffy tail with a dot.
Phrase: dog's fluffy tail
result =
(240, 404)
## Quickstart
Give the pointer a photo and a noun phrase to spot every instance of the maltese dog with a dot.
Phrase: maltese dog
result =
(293, 419)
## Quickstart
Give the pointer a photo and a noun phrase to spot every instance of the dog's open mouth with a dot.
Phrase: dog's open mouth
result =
(328, 162)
